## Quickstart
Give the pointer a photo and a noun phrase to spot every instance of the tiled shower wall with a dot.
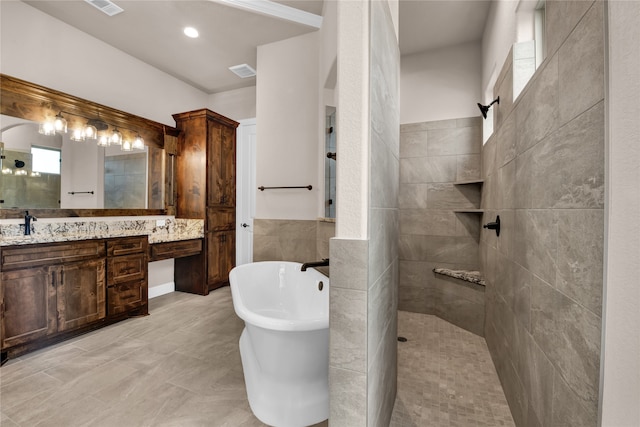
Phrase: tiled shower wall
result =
(544, 176)
(364, 277)
(434, 156)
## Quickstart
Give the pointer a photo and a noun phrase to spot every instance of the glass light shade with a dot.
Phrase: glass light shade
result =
(138, 143)
(77, 135)
(126, 146)
(21, 172)
(7, 171)
(47, 128)
(90, 131)
(60, 124)
(116, 137)
(103, 140)
(35, 174)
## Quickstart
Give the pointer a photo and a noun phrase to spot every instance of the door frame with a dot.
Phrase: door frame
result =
(245, 189)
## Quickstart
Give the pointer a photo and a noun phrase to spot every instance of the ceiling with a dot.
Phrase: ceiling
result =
(151, 31)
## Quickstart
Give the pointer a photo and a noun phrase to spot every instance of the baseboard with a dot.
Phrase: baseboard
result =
(165, 288)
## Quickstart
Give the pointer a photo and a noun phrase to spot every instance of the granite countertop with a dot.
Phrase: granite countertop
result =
(158, 230)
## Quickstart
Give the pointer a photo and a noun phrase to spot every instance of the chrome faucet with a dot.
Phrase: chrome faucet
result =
(27, 222)
(323, 263)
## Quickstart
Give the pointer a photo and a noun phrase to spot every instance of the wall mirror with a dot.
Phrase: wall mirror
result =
(90, 179)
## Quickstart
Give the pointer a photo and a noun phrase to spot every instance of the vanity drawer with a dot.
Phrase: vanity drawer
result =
(126, 297)
(177, 249)
(127, 245)
(126, 268)
(27, 256)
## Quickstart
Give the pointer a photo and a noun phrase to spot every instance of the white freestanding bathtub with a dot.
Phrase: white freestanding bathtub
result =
(285, 343)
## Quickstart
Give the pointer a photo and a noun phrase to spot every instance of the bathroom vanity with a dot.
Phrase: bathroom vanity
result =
(49, 291)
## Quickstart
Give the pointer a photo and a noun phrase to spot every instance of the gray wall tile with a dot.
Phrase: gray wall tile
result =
(348, 403)
(581, 65)
(348, 331)
(580, 256)
(537, 113)
(570, 337)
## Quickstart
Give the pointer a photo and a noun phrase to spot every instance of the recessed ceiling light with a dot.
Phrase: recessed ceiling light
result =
(190, 32)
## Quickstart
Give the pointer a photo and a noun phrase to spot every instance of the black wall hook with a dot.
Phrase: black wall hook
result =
(494, 225)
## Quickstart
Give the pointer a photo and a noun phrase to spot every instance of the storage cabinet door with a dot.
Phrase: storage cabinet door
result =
(81, 293)
(228, 164)
(215, 170)
(221, 257)
(28, 305)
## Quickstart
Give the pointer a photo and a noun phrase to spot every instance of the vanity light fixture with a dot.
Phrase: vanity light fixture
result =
(21, 172)
(138, 142)
(103, 140)
(116, 137)
(77, 135)
(7, 171)
(485, 108)
(35, 174)
(90, 131)
(126, 146)
(47, 128)
(59, 123)
(95, 129)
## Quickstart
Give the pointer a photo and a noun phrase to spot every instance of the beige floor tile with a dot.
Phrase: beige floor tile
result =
(180, 366)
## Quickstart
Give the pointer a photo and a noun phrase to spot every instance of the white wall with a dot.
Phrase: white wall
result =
(288, 100)
(441, 84)
(500, 33)
(620, 369)
(30, 49)
(237, 104)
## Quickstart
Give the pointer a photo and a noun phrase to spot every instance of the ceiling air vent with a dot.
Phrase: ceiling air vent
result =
(243, 70)
(106, 6)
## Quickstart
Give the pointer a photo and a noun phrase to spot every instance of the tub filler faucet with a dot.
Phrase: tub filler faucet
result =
(323, 263)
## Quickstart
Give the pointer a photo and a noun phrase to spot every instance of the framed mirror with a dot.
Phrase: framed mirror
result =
(90, 179)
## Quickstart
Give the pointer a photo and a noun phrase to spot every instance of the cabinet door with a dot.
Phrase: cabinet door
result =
(215, 172)
(28, 305)
(81, 293)
(221, 250)
(228, 165)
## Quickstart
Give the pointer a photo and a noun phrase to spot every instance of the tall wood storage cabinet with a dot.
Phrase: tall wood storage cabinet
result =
(206, 189)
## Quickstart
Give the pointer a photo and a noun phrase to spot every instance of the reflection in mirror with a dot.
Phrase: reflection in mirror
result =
(57, 172)
(330, 164)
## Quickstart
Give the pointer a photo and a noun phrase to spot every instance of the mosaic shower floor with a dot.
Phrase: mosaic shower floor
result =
(446, 377)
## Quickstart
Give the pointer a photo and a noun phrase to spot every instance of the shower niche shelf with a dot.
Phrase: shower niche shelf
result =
(469, 182)
(470, 211)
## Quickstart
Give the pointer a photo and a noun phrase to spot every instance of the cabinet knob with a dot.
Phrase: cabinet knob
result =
(244, 225)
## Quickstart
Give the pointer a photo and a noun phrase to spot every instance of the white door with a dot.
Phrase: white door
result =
(246, 190)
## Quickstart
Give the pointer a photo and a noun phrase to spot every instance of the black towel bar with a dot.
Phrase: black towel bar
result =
(262, 188)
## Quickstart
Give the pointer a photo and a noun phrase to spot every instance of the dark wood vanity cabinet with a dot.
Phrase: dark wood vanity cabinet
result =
(206, 189)
(127, 281)
(50, 288)
(51, 291)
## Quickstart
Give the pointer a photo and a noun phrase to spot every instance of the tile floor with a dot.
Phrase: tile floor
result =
(181, 366)
(446, 377)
